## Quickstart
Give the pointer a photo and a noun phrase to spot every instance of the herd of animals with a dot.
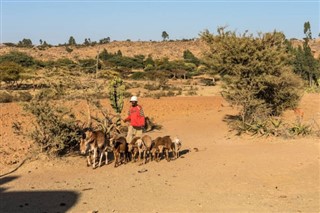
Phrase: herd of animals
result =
(95, 145)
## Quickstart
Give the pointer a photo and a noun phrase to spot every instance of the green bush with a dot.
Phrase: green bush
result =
(138, 76)
(10, 72)
(149, 67)
(65, 62)
(19, 58)
(89, 65)
(256, 72)
(190, 58)
(127, 62)
(104, 55)
(10, 44)
(25, 43)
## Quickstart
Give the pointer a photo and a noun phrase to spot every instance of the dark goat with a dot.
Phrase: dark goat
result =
(120, 146)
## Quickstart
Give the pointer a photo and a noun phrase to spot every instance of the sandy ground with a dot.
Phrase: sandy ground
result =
(227, 174)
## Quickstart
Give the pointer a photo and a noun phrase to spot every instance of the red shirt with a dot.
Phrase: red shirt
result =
(136, 116)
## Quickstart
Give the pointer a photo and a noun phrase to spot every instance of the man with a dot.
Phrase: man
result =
(136, 118)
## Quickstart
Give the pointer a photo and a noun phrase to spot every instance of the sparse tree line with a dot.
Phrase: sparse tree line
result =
(263, 76)
(71, 42)
(27, 43)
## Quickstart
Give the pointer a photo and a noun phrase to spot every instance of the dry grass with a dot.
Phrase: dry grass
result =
(172, 50)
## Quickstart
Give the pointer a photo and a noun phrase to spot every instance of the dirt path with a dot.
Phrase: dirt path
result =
(227, 174)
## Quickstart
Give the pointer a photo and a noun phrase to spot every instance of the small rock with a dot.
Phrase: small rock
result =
(142, 170)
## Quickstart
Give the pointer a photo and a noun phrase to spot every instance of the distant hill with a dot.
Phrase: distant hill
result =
(173, 50)
(170, 49)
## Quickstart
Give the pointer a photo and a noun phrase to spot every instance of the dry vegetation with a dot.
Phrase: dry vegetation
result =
(172, 50)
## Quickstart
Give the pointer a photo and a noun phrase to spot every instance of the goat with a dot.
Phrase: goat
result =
(133, 148)
(148, 144)
(142, 146)
(176, 146)
(120, 146)
(161, 144)
(94, 141)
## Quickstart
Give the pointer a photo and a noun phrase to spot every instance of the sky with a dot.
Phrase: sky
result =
(54, 21)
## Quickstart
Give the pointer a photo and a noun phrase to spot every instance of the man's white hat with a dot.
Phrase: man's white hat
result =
(134, 98)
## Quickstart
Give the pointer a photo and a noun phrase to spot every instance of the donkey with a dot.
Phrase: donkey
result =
(94, 142)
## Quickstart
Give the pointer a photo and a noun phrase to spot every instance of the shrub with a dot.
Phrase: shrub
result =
(190, 58)
(10, 72)
(170, 93)
(5, 97)
(192, 91)
(69, 49)
(19, 58)
(25, 43)
(104, 55)
(149, 67)
(127, 62)
(138, 76)
(149, 61)
(9, 44)
(56, 132)
(208, 82)
(299, 128)
(256, 72)
(48, 94)
(89, 65)
(23, 96)
(157, 95)
(104, 40)
(65, 62)
(151, 86)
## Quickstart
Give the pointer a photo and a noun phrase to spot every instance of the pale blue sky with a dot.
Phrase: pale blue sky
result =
(56, 20)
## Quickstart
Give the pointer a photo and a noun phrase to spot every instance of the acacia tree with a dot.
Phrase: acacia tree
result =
(165, 35)
(256, 72)
(104, 40)
(72, 41)
(25, 43)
